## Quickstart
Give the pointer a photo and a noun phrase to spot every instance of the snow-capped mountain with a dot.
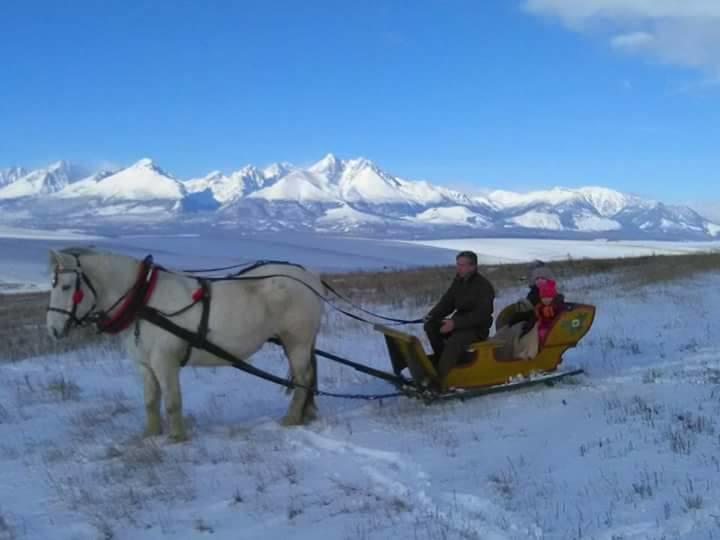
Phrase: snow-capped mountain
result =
(52, 179)
(353, 195)
(11, 174)
(226, 189)
(141, 181)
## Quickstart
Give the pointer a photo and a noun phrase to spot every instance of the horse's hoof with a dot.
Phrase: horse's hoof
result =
(288, 421)
(311, 414)
(177, 438)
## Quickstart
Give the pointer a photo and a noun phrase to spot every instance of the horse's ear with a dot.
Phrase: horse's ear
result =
(59, 260)
(54, 259)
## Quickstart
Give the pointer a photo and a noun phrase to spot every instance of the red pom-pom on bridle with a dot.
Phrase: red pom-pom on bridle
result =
(77, 296)
(197, 294)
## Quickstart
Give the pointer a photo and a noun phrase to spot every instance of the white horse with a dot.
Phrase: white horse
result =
(243, 315)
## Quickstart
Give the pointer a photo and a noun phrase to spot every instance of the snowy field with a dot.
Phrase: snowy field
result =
(503, 250)
(24, 253)
(630, 450)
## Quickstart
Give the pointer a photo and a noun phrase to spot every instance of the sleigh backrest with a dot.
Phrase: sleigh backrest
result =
(570, 326)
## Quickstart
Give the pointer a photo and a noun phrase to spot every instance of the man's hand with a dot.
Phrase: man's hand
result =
(447, 326)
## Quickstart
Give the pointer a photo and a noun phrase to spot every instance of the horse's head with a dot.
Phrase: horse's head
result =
(72, 298)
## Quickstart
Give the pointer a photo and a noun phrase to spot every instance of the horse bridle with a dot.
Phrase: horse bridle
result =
(91, 316)
(77, 297)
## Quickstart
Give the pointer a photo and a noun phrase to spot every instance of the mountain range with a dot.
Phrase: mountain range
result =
(332, 195)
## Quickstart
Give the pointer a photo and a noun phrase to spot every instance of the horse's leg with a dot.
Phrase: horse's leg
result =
(300, 357)
(153, 422)
(168, 373)
(310, 411)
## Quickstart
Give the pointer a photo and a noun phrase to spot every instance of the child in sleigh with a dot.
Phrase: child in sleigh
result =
(550, 306)
(526, 327)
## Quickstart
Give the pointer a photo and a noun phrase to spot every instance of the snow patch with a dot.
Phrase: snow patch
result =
(589, 222)
(538, 220)
(712, 229)
(347, 216)
(39, 234)
(451, 215)
(300, 186)
(133, 209)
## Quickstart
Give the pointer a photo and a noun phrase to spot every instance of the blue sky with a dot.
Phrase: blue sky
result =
(513, 94)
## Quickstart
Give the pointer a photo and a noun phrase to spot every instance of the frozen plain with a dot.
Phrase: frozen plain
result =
(23, 252)
(628, 451)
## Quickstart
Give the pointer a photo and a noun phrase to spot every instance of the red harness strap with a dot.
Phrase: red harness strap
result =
(137, 297)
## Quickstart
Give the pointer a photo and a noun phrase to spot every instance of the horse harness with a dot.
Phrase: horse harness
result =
(132, 305)
(133, 308)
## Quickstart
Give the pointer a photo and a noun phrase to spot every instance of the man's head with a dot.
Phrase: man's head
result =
(466, 263)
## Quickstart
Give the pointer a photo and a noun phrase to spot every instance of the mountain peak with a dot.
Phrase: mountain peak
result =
(70, 171)
(51, 179)
(609, 202)
(10, 174)
(329, 166)
(144, 162)
(358, 164)
(147, 164)
(249, 169)
(328, 159)
(56, 165)
(276, 170)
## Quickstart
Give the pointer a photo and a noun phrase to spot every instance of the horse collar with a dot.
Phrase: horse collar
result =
(132, 301)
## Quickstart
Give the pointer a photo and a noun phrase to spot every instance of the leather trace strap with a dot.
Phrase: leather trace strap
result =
(202, 331)
(158, 319)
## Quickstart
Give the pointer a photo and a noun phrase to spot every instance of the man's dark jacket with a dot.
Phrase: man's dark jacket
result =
(472, 298)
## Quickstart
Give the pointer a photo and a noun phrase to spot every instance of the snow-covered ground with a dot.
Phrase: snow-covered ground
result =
(24, 266)
(631, 450)
(512, 250)
(24, 252)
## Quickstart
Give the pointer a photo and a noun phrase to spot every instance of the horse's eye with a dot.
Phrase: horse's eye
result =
(65, 287)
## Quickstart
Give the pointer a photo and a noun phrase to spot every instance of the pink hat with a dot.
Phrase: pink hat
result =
(547, 289)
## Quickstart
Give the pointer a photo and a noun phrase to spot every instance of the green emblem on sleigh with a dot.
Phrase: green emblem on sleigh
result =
(575, 325)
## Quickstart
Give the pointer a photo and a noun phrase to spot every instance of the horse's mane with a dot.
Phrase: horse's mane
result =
(77, 251)
(74, 251)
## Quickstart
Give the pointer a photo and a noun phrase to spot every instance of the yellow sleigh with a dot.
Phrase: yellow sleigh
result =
(480, 371)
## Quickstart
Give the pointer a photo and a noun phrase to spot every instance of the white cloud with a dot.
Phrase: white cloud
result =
(578, 10)
(679, 32)
(631, 40)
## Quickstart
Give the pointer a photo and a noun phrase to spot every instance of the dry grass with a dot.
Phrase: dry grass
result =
(22, 328)
(127, 480)
(22, 316)
(424, 285)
